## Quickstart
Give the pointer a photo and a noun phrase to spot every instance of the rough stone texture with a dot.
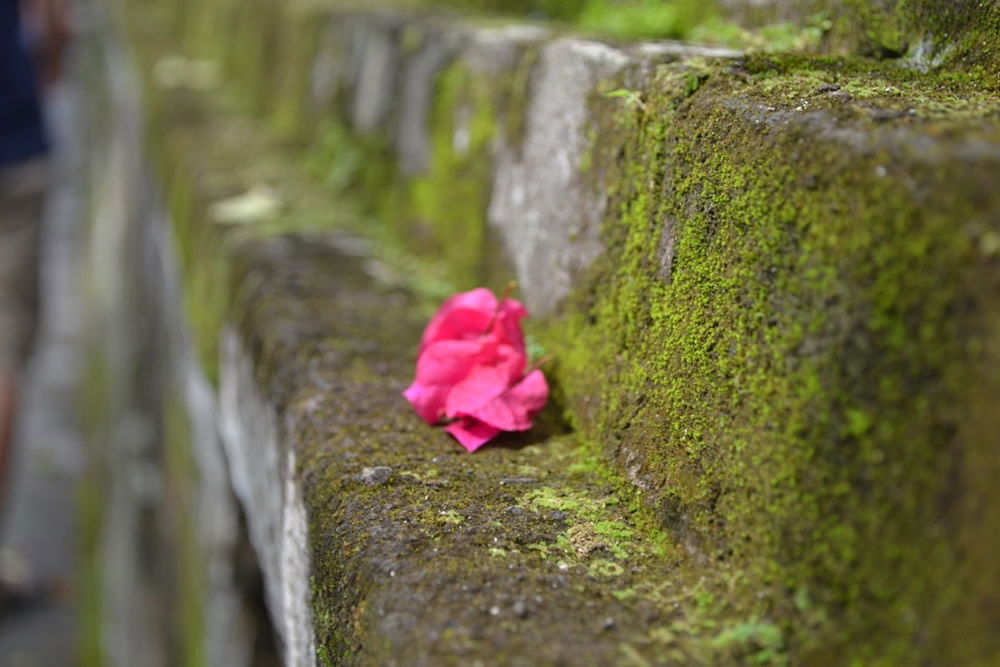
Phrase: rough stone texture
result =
(375, 56)
(413, 143)
(264, 477)
(548, 219)
(815, 254)
(310, 372)
(928, 33)
(546, 211)
(508, 557)
(542, 208)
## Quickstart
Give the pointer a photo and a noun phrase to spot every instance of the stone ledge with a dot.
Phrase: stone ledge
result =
(413, 547)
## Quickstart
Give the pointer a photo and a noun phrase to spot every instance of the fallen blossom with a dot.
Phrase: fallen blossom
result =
(472, 370)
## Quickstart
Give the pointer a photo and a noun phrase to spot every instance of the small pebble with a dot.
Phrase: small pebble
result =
(883, 115)
(608, 624)
(494, 611)
(376, 475)
(518, 480)
(520, 609)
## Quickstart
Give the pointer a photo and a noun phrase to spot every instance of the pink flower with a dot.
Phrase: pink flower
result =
(471, 370)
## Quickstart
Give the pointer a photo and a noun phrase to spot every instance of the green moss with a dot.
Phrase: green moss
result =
(962, 34)
(94, 411)
(186, 566)
(296, 42)
(447, 206)
(738, 382)
(443, 210)
(645, 18)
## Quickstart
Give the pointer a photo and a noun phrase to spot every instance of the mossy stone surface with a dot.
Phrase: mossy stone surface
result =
(795, 325)
(448, 558)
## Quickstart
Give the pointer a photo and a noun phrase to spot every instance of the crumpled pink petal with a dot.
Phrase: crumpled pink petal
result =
(514, 409)
(470, 368)
(439, 368)
(471, 433)
(447, 361)
(427, 400)
(485, 381)
(509, 324)
(465, 314)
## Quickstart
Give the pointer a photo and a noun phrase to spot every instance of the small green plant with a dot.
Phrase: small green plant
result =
(631, 98)
(451, 516)
(759, 642)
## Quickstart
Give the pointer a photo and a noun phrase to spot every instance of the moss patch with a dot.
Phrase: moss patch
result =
(447, 206)
(787, 374)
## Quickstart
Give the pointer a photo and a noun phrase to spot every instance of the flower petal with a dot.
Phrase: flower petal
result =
(447, 361)
(463, 315)
(508, 324)
(514, 409)
(472, 433)
(427, 400)
(487, 378)
(469, 367)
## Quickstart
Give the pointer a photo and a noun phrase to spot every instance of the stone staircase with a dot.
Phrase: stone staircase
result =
(769, 283)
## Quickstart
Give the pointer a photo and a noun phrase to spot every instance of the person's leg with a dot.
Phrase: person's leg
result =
(8, 407)
(22, 196)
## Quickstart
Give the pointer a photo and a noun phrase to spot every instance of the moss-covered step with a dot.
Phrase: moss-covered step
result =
(165, 577)
(488, 126)
(459, 122)
(387, 542)
(928, 33)
(791, 344)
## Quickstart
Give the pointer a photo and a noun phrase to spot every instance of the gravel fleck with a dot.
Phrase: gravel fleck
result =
(376, 475)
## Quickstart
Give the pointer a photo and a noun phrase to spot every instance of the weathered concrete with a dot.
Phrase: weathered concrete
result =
(544, 210)
(264, 474)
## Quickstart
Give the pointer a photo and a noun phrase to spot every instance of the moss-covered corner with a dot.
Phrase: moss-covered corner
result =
(442, 211)
(965, 33)
(789, 347)
(930, 33)
(529, 552)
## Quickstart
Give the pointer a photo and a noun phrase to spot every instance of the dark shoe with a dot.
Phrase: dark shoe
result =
(20, 590)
